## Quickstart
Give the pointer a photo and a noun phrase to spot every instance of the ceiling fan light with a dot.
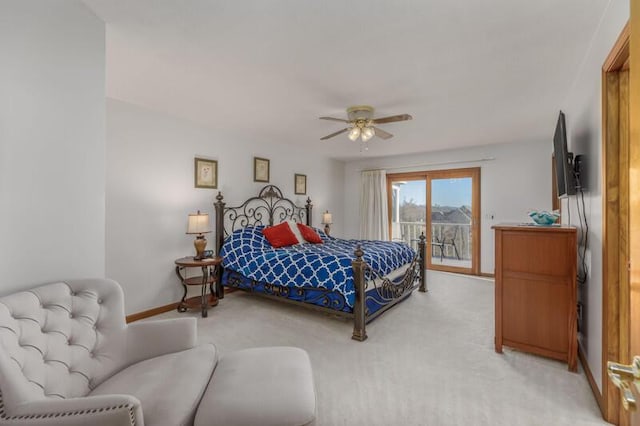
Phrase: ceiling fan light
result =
(354, 133)
(367, 133)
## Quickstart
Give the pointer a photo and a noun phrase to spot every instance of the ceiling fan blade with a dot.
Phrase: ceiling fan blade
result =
(391, 119)
(335, 119)
(335, 134)
(382, 134)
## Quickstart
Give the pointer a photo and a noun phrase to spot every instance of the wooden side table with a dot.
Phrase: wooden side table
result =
(208, 278)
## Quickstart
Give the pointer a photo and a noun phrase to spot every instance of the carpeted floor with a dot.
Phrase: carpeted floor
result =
(428, 361)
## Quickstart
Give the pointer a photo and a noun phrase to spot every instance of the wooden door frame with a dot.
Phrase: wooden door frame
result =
(427, 175)
(634, 189)
(616, 255)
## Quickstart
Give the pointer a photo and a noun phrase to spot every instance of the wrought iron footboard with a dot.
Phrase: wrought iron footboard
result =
(387, 290)
(375, 294)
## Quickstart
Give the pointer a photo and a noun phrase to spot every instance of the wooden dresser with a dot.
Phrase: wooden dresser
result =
(536, 290)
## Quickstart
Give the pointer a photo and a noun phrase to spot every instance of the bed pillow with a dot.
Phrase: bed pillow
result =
(296, 231)
(280, 235)
(309, 234)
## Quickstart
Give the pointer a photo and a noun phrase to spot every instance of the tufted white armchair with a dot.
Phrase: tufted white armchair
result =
(68, 358)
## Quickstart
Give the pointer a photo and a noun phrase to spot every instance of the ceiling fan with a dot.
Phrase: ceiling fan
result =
(362, 124)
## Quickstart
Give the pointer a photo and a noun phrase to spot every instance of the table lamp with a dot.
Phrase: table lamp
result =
(199, 224)
(326, 221)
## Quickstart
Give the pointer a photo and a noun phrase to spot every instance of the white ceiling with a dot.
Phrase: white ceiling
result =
(471, 72)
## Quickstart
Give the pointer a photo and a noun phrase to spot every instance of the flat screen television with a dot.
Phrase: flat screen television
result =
(565, 179)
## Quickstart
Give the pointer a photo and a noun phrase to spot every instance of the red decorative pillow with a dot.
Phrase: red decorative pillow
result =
(309, 234)
(280, 235)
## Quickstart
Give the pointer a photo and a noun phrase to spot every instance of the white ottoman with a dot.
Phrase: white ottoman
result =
(260, 386)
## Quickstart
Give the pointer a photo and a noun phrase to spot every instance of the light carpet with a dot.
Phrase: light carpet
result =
(428, 361)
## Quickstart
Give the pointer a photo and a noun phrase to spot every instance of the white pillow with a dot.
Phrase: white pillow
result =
(296, 231)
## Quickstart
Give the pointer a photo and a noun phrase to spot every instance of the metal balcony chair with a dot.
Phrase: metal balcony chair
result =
(442, 243)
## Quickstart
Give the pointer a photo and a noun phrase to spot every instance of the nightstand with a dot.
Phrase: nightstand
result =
(209, 278)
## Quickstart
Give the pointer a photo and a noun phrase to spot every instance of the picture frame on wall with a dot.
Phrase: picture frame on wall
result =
(300, 184)
(260, 169)
(206, 173)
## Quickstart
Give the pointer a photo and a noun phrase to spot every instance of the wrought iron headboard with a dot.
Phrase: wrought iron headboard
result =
(267, 208)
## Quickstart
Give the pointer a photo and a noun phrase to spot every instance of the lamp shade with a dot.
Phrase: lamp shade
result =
(198, 223)
(367, 133)
(327, 218)
(354, 133)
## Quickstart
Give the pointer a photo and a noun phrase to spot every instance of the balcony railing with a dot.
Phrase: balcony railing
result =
(450, 240)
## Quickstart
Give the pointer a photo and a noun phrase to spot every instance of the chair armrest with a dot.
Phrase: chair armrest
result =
(99, 410)
(149, 339)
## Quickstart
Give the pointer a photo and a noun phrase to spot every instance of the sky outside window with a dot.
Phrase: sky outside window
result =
(446, 192)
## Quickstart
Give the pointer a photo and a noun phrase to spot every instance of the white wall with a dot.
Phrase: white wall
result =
(52, 144)
(515, 182)
(583, 109)
(150, 192)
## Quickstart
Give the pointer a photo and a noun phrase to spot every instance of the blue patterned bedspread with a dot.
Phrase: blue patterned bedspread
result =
(326, 265)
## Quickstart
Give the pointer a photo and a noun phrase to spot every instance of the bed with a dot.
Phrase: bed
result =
(356, 279)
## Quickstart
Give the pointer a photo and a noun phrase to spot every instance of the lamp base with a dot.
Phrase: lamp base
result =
(200, 243)
(327, 228)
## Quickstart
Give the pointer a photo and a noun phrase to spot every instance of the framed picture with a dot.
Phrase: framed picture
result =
(300, 184)
(260, 169)
(206, 173)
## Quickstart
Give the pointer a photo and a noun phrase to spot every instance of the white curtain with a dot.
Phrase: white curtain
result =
(374, 218)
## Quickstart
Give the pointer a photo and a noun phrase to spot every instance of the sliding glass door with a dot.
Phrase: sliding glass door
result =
(445, 205)
(453, 206)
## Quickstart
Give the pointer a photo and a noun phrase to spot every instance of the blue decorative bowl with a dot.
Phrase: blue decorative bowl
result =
(544, 218)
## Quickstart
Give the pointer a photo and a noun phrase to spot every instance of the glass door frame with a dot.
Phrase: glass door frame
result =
(429, 176)
(474, 174)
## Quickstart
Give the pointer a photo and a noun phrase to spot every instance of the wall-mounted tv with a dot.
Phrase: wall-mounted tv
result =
(565, 178)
